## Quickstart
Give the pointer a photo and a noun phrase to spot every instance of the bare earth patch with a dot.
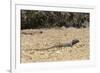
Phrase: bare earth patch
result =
(33, 39)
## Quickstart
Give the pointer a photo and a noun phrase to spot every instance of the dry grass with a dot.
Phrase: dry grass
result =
(32, 39)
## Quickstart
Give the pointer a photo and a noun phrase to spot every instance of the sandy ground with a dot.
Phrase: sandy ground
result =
(32, 39)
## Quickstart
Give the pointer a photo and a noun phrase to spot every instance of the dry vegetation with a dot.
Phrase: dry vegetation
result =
(32, 39)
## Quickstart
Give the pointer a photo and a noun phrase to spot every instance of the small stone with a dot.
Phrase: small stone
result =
(58, 52)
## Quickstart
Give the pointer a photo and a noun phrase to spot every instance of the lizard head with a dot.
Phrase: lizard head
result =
(75, 41)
